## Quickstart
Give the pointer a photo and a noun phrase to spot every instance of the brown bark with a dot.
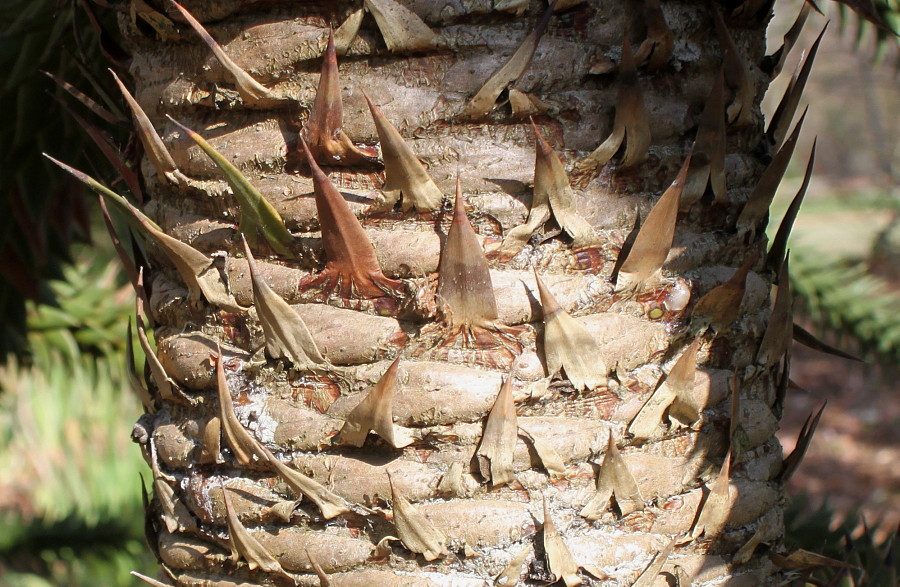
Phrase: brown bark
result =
(467, 530)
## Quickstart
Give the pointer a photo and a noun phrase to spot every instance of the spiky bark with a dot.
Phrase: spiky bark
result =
(433, 508)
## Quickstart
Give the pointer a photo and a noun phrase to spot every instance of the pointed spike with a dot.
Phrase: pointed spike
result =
(498, 442)
(404, 174)
(512, 574)
(328, 503)
(351, 262)
(164, 386)
(687, 407)
(715, 510)
(568, 345)
(790, 39)
(251, 90)
(630, 107)
(348, 30)
(708, 165)
(153, 146)
(784, 113)
(244, 545)
(679, 382)
(286, 334)
(375, 413)
(324, 581)
(615, 481)
(550, 459)
(485, 99)
(127, 263)
(256, 212)
(760, 199)
(243, 446)
(808, 339)
(89, 102)
(740, 111)
(402, 29)
(648, 576)
(559, 558)
(778, 334)
(806, 433)
(657, 48)
(322, 132)
(720, 307)
(777, 251)
(551, 184)
(149, 581)
(416, 532)
(137, 386)
(465, 292)
(643, 266)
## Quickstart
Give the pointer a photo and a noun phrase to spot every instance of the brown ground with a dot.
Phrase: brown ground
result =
(854, 458)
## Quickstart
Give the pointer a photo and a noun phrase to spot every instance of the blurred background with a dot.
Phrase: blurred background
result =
(70, 484)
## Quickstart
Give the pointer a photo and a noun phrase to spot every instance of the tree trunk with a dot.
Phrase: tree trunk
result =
(463, 499)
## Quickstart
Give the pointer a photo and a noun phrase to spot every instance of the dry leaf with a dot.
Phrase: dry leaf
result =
(614, 481)
(402, 29)
(509, 577)
(559, 559)
(498, 442)
(686, 407)
(251, 91)
(715, 510)
(351, 265)
(283, 510)
(238, 439)
(525, 105)
(322, 132)
(679, 381)
(415, 531)
(153, 146)
(375, 413)
(720, 307)
(740, 110)
(465, 292)
(643, 265)
(708, 163)
(244, 545)
(784, 113)
(778, 249)
(348, 30)
(484, 100)
(657, 48)
(648, 577)
(569, 346)
(548, 456)
(760, 199)
(404, 174)
(286, 334)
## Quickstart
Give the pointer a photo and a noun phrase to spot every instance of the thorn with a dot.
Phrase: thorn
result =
(251, 91)
(324, 581)
(740, 111)
(153, 146)
(631, 124)
(164, 385)
(568, 345)
(708, 165)
(720, 307)
(760, 199)
(790, 39)
(648, 576)
(465, 291)
(351, 262)
(148, 580)
(416, 532)
(256, 212)
(614, 481)
(286, 334)
(715, 510)
(679, 382)
(806, 433)
(485, 99)
(404, 173)
(643, 265)
(348, 30)
(89, 102)
(322, 132)
(559, 558)
(550, 459)
(512, 574)
(808, 339)
(244, 545)
(375, 413)
(777, 251)
(657, 48)
(778, 334)
(243, 446)
(784, 113)
(402, 29)
(687, 407)
(498, 442)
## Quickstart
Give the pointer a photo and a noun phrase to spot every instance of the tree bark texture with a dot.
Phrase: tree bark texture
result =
(448, 377)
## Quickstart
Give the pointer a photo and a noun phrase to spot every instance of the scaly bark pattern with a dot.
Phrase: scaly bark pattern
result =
(426, 513)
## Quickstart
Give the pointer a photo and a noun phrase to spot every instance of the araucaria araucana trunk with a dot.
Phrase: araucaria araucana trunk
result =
(452, 292)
